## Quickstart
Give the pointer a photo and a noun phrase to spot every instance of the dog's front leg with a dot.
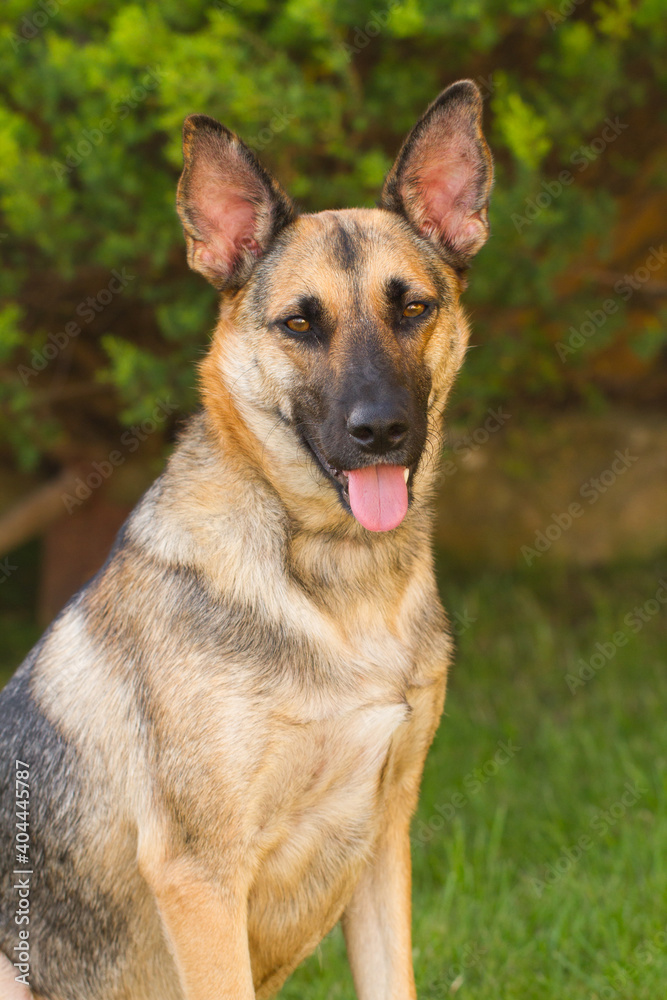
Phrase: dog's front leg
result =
(206, 924)
(377, 921)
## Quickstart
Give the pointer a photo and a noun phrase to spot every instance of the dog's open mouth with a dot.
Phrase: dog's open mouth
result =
(377, 495)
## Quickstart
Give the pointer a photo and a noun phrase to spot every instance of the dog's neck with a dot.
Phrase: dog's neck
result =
(224, 518)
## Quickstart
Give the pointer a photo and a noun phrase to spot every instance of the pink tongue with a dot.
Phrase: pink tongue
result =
(378, 496)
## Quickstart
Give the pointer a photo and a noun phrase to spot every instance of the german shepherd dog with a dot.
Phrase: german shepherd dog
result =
(222, 736)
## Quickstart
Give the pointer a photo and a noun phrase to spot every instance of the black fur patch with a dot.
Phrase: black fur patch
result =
(344, 248)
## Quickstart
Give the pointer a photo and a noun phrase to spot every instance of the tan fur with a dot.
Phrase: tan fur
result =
(254, 680)
(348, 744)
(9, 988)
(338, 751)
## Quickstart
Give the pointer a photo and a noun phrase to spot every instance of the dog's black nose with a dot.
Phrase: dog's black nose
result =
(377, 427)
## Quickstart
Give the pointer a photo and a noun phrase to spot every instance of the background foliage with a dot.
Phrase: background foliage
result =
(95, 92)
(100, 320)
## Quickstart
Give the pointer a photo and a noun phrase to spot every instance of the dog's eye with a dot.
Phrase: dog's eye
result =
(414, 309)
(297, 324)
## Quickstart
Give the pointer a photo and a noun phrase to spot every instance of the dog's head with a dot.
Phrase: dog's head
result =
(340, 332)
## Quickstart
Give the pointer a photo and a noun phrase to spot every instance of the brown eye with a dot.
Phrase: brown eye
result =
(414, 309)
(297, 324)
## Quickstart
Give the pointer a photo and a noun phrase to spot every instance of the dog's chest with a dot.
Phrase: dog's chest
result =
(326, 773)
(320, 787)
(318, 810)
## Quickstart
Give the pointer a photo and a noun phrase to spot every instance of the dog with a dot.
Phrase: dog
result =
(214, 752)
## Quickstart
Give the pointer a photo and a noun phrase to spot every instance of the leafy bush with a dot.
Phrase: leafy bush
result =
(100, 317)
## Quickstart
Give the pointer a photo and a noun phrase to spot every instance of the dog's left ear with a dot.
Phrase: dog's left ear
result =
(442, 176)
(230, 207)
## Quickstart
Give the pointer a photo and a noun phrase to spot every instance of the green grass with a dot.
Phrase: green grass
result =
(494, 918)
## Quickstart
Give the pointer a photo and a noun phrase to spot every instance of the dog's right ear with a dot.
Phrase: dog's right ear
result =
(230, 207)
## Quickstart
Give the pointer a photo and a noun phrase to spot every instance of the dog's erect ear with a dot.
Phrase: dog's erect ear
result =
(443, 174)
(230, 207)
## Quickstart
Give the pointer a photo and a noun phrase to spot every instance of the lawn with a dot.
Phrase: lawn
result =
(540, 845)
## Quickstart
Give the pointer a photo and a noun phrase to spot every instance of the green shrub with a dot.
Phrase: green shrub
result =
(94, 97)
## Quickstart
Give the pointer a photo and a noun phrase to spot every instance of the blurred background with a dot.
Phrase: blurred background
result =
(551, 530)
